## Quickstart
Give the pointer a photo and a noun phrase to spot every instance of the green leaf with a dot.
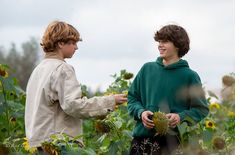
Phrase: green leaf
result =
(2, 121)
(66, 138)
(71, 151)
(101, 139)
(18, 153)
(189, 121)
(88, 151)
(7, 83)
(18, 90)
(118, 124)
(207, 135)
(113, 148)
(125, 152)
(182, 128)
(1, 97)
(2, 108)
(77, 137)
(14, 105)
(18, 114)
(127, 133)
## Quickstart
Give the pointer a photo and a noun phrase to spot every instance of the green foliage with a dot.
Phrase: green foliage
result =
(111, 134)
(12, 100)
(121, 82)
(213, 135)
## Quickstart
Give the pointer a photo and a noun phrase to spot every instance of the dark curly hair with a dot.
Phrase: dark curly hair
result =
(175, 34)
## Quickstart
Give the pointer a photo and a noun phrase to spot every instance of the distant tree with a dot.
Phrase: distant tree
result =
(22, 62)
(12, 59)
(29, 60)
(2, 56)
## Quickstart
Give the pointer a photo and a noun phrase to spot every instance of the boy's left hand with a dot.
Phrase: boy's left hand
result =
(174, 119)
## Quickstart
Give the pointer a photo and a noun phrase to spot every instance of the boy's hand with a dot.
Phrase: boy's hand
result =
(148, 123)
(174, 119)
(120, 98)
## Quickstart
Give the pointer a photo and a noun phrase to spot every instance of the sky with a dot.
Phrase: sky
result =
(118, 34)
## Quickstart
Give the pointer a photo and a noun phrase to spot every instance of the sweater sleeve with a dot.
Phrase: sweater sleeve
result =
(68, 90)
(134, 106)
(198, 108)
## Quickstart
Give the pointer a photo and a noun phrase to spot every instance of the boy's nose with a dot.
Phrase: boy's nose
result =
(160, 43)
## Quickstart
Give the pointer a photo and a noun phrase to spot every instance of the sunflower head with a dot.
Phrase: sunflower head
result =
(231, 114)
(3, 71)
(228, 80)
(102, 127)
(218, 143)
(127, 76)
(50, 148)
(214, 107)
(161, 123)
(4, 149)
(26, 146)
(210, 124)
(13, 120)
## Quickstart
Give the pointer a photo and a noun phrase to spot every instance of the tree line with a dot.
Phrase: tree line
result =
(21, 62)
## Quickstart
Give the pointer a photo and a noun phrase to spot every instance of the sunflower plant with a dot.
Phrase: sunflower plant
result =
(12, 99)
(112, 134)
(213, 135)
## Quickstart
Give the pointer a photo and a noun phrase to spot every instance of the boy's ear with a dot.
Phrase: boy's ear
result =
(60, 44)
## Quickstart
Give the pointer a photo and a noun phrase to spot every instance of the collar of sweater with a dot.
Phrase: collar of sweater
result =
(53, 55)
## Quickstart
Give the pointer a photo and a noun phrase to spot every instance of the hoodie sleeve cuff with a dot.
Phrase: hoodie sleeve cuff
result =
(182, 116)
(139, 113)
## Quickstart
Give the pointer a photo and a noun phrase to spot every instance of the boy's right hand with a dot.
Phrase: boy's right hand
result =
(147, 122)
(120, 98)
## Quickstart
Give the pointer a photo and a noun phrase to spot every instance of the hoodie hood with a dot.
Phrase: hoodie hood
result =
(181, 63)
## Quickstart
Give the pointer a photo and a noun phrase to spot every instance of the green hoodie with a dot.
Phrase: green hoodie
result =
(171, 89)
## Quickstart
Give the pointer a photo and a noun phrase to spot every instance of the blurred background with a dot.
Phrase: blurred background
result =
(119, 35)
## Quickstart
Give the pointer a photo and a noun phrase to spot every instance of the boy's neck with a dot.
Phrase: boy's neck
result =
(167, 62)
(53, 55)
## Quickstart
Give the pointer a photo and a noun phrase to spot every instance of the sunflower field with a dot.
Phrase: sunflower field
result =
(112, 134)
